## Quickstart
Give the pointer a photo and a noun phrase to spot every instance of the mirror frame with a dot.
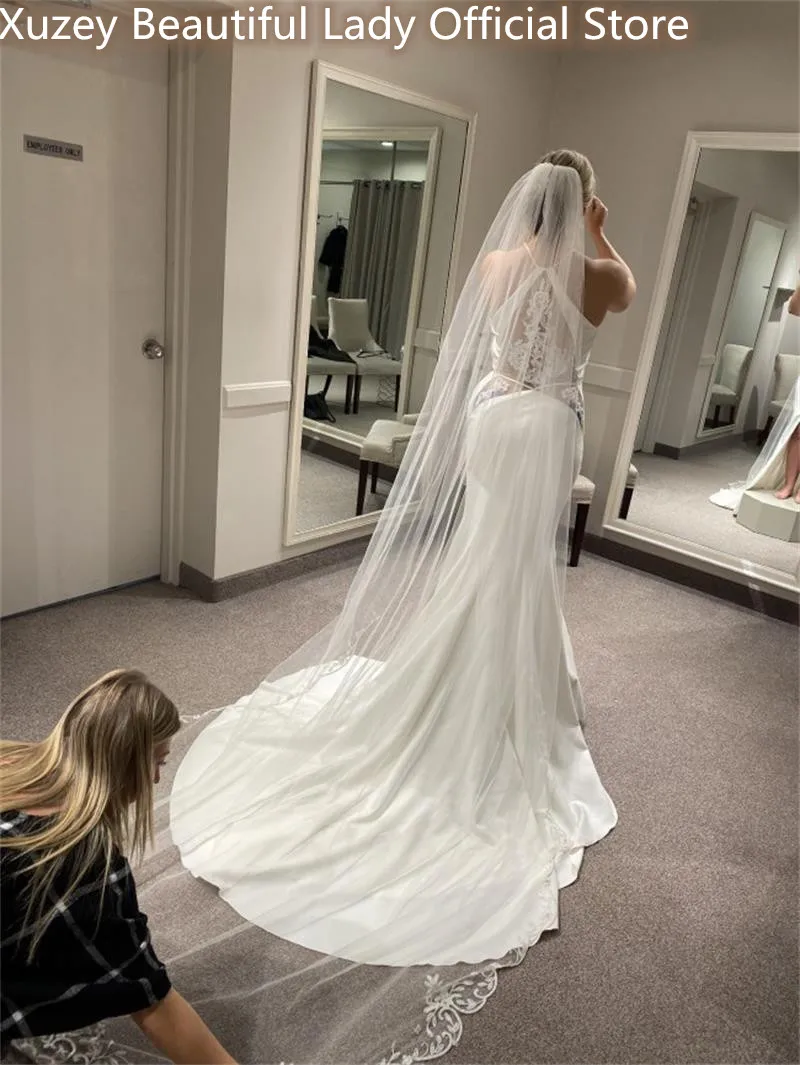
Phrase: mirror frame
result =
(626, 532)
(322, 74)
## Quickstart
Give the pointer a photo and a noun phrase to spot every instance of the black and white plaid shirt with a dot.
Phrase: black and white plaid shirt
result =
(95, 959)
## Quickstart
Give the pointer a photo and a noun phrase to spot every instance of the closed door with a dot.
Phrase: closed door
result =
(652, 411)
(83, 284)
(759, 260)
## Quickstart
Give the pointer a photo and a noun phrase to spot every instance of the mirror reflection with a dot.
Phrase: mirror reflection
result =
(368, 230)
(716, 430)
(381, 219)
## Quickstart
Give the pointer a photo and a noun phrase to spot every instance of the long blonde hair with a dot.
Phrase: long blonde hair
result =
(95, 772)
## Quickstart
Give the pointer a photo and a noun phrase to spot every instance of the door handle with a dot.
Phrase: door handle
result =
(151, 349)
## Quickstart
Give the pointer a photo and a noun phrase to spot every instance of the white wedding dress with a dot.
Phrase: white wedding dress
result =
(435, 821)
(767, 473)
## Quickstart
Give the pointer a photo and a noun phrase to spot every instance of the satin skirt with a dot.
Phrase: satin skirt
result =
(433, 818)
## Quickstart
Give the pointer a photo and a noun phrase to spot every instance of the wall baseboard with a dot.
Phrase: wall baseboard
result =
(772, 606)
(667, 451)
(75, 599)
(702, 447)
(216, 591)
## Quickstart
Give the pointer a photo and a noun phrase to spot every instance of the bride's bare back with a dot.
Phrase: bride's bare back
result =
(608, 285)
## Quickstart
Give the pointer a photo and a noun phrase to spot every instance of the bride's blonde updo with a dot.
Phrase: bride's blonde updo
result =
(578, 162)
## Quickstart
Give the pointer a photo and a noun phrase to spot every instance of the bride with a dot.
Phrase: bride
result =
(413, 787)
(777, 467)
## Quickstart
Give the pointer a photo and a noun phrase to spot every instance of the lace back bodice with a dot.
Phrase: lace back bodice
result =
(539, 341)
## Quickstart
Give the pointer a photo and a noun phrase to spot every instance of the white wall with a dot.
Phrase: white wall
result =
(207, 280)
(630, 112)
(510, 88)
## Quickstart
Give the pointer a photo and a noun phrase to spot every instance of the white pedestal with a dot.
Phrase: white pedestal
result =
(763, 513)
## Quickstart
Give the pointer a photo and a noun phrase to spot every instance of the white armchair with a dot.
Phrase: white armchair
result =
(731, 377)
(328, 368)
(349, 329)
(384, 445)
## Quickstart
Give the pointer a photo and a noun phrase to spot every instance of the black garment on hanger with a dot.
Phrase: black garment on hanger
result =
(333, 257)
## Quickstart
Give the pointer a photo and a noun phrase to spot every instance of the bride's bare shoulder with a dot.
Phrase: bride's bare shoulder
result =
(498, 263)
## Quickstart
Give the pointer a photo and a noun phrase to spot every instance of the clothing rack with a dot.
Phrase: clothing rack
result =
(340, 219)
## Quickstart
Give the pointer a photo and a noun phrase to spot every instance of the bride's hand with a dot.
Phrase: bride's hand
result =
(596, 215)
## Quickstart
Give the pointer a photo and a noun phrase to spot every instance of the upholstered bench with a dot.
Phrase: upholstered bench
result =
(582, 496)
(328, 368)
(627, 495)
(384, 445)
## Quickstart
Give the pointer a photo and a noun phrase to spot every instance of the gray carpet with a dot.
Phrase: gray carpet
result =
(679, 941)
(673, 497)
(377, 401)
(327, 493)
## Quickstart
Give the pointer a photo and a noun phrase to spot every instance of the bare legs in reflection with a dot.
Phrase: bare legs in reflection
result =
(792, 467)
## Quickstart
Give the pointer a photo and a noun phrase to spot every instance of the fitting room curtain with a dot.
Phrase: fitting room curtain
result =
(381, 245)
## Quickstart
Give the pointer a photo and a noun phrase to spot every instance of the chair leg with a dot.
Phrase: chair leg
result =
(363, 471)
(375, 469)
(357, 393)
(328, 380)
(348, 393)
(396, 394)
(627, 496)
(717, 411)
(762, 436)
(733, 415)
(581, 514)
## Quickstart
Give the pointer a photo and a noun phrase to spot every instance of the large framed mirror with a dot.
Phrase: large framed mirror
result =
(385, 175)
(720, 362)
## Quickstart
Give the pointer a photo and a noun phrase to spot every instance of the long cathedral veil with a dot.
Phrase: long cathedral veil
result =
(385, 823)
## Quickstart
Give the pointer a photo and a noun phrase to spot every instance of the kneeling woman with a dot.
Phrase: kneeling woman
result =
(75, 947)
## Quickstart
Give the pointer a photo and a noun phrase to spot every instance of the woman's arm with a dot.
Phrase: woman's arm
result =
(174, 1028)
(794, 303)
(621, 282)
